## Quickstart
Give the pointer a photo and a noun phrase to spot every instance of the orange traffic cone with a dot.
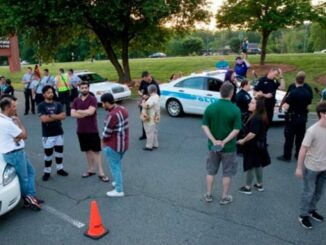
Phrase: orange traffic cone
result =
(96, 229)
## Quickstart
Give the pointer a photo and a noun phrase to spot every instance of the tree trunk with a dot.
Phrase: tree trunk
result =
(113, 57)
(125, 61)
(265, 35)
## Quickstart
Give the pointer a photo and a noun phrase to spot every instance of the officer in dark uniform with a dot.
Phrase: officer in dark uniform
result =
(243, 98)
(296, 107)
(266, 88)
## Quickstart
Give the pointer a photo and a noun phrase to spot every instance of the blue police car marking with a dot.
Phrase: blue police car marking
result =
(189, 96)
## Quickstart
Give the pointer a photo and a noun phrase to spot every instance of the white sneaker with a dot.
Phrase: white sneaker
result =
(113, 183)
(114, 193)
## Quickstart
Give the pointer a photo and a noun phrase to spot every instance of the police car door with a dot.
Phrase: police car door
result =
(189, 92)
(212, 91)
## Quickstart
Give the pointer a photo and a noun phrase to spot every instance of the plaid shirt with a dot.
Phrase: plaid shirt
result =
(116, 129)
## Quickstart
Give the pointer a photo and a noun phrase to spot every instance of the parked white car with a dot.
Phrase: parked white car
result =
(9, 187)
(99, 85)
(192, 94)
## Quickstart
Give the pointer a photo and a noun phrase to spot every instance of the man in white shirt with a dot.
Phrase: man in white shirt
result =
(12, 136)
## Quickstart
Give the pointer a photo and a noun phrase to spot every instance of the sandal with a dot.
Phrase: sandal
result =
(87, 174)
(104, 178)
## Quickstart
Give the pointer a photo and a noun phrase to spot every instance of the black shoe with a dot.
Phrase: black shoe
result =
(62, 172)
(316, 216)
(283, 159)
(155, 147)
(258, 187)
(245, 190)
(33, 112)
(40, 201)
(147, 149)
(142, 137)
(46, 176)
(26, 113)
(305, 222)
(32, 202)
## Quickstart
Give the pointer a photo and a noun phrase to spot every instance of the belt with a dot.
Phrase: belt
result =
(20, 149)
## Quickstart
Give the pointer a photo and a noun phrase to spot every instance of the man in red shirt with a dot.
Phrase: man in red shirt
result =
(84, 109)
(115, 140)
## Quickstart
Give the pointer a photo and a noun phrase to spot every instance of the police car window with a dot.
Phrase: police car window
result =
(214, 84)
(193, 83)
(92, 78)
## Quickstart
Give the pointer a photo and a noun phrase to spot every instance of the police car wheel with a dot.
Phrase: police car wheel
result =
(174, 108)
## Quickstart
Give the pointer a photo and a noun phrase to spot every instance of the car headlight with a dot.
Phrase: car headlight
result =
(8, 175)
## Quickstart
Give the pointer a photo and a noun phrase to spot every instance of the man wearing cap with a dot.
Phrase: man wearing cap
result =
(143, 93)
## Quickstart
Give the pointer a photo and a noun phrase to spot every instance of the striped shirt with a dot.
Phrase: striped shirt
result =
(116, 129)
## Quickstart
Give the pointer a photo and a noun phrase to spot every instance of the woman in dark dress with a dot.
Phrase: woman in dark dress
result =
(255, 154)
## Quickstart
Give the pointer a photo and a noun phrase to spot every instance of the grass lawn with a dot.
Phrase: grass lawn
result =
(313, 64)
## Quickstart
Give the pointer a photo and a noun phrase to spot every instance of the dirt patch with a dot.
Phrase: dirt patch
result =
(321, 80)
(262, 70)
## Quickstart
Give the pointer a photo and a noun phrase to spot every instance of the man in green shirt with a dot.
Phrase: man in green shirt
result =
(221, 124)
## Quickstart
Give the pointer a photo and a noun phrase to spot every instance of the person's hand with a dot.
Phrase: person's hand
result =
(145, 97)
(268, 96)
(16, 120)
(259, 94)
(218, 142)
(240, 142)
(298, 172)
(280, 72)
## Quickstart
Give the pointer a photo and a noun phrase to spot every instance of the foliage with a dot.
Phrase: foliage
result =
(264, 16)
(193, 45)
(117, 24)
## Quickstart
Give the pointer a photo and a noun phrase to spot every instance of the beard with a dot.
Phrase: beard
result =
(84, 93)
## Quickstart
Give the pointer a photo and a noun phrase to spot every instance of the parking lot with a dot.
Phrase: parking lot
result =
(164, 190)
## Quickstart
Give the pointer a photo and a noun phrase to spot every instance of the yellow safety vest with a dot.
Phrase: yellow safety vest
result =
(62, 83)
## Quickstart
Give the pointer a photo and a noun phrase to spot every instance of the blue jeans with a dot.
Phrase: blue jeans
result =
(114, 159)
(24, 170)
(313, 187)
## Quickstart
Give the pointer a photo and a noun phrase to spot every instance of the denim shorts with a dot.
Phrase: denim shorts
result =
(228, 160)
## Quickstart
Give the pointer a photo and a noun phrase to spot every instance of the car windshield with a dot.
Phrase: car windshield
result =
(92, 78)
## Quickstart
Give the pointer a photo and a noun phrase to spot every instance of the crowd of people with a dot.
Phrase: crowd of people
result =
(241, 127)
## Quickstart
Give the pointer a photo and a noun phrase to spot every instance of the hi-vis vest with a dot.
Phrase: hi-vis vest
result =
(62, 83)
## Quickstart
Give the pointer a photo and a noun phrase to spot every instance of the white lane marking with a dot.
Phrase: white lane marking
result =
(63, 216)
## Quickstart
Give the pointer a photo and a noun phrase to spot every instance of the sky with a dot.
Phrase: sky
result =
(214, 4)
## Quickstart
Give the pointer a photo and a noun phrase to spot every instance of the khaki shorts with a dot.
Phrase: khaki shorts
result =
(229, 163)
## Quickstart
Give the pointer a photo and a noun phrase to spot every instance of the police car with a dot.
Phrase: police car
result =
(99, 85)
(192, 94)
(9, 187)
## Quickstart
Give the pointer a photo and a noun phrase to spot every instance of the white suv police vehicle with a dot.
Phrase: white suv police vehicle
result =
(193, 93)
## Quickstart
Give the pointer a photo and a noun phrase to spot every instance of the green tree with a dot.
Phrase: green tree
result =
(264, 16)
(193, 45)
(318, 37)
(117, 24)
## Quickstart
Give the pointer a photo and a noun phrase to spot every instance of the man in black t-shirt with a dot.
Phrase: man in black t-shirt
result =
(266, 88)
(296, 107)
(143, 92)
(51, 115)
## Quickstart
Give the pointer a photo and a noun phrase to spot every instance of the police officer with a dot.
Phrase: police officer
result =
(266, 88)
(296, 107)
(243, 98)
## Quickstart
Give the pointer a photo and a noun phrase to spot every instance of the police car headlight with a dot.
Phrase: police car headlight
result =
(8, 175)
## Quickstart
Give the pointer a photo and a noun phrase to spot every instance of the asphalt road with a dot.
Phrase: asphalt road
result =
(164, 190)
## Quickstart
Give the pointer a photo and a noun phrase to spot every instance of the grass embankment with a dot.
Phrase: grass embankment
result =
(313, 64)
